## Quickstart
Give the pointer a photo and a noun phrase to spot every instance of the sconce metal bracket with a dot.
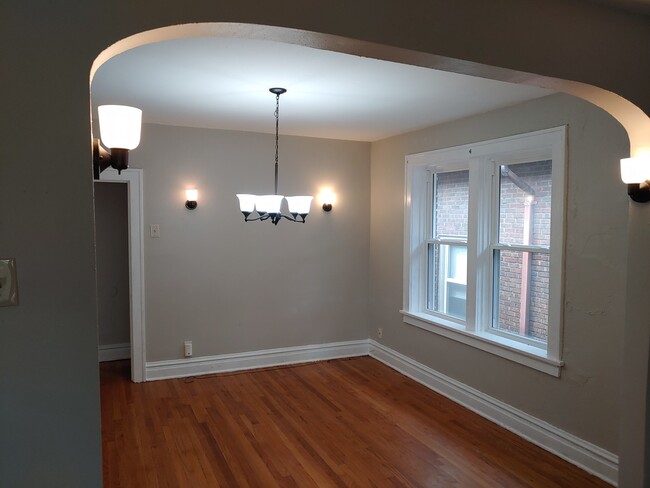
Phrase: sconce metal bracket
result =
(102, 159)
(639, 192)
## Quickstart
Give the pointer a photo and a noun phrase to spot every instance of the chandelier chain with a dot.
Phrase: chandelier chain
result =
(277, 126)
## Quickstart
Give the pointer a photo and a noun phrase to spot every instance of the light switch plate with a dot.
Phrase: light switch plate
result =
(8, 283)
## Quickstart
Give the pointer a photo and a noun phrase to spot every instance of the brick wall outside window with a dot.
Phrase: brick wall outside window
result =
(452, 194)
(511, 231)
(451, 197)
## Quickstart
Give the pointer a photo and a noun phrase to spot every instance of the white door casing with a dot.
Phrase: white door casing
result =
(133, 178)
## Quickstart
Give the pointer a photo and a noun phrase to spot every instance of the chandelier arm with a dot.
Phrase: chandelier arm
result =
(295, 219)
(261, 217)
(278, 217)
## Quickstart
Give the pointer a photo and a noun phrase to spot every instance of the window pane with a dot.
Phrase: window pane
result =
(447, 280)
(450, 197)
(521, 284)
(525, 203)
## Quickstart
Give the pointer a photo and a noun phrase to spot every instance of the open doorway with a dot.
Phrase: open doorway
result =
(112, 258)
(128, 187)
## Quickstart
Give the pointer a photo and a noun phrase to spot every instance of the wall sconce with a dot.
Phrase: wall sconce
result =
(119, 128)
(636, 173)
(192, 195)
(327, 198)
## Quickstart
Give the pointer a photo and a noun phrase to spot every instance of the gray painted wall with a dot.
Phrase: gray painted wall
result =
(49, 387)
(111, 234)
(230, 286)
(584, 401)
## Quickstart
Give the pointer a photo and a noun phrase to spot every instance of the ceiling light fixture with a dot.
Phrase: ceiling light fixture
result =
(268, 207)
(119, 126)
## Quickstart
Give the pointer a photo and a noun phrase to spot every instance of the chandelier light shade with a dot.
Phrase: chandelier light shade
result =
(246, 203)
(269, 207)
(299, 205)
(119, 129)
(269, 204)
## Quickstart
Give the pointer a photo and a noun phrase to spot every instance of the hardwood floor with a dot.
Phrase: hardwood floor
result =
(347, 422)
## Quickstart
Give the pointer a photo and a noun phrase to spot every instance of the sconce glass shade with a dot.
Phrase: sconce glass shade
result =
(119, 126)
(299, 205)
(269, 204)
(192, 194)
(246, 202)
(635, 170)
(327, 197)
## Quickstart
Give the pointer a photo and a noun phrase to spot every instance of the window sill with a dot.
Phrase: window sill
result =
(530, 356)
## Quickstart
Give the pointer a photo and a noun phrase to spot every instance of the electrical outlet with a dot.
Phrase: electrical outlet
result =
(188, 349)
(380, 332)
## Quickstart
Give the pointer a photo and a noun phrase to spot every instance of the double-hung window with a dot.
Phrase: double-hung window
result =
(483, 254)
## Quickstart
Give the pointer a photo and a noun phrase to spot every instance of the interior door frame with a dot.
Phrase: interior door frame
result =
(133, 179)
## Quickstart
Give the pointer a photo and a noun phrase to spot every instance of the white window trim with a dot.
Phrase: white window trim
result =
(474, 332)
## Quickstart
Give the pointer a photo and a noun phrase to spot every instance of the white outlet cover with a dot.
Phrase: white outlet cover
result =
(8, 283)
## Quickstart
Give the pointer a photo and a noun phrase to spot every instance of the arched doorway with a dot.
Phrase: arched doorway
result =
(631, 117)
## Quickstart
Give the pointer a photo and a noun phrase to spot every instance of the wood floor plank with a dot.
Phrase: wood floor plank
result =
(340, 423)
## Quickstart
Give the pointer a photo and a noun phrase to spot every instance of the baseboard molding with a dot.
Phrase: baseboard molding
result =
(114, 352)
(589, 457)
(178, 368)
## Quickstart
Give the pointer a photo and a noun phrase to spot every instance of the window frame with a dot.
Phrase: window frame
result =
(483, 159)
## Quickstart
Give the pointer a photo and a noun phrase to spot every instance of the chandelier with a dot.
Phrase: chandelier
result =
(268, 207)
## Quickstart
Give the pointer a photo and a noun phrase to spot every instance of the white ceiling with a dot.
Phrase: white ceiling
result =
(223, 83)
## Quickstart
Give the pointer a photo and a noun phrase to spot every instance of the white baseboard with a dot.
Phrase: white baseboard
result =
(114, 352)
(589, 457)
(178, 368)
